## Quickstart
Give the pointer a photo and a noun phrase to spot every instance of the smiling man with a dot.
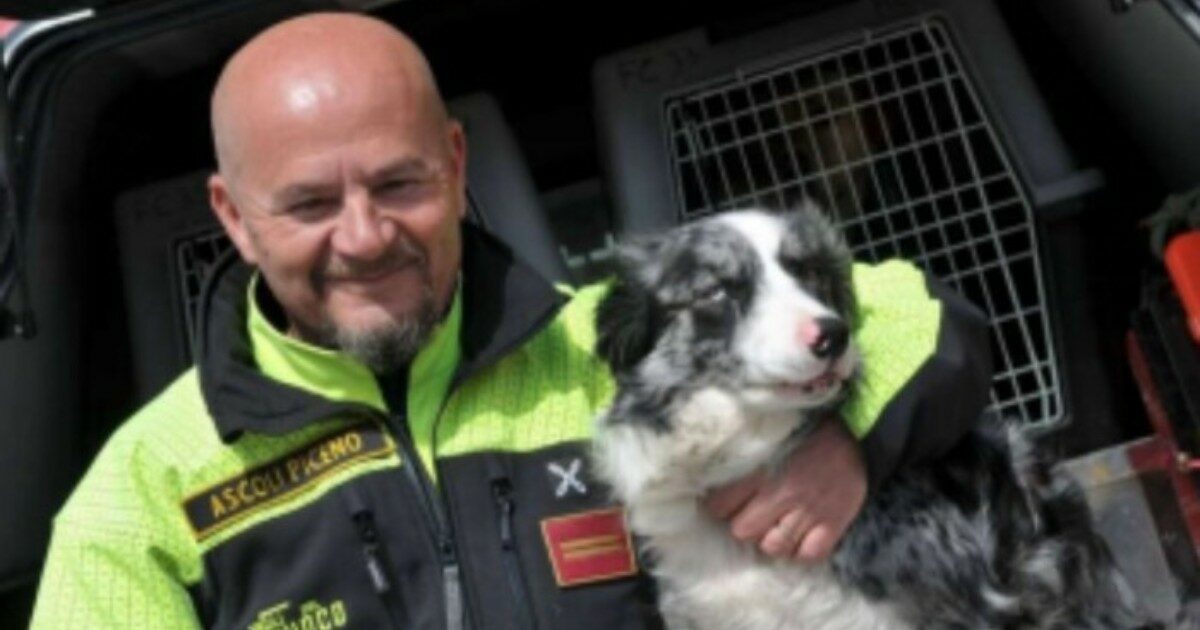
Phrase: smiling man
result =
(342, 180)
(388, 420)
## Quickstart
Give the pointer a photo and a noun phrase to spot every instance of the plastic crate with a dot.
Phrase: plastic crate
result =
(885, 125)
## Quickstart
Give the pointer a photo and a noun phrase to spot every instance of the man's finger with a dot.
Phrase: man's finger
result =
(818, 543)
(784, 538)
(760, 514)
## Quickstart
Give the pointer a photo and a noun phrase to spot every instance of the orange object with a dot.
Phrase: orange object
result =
(1183, 263)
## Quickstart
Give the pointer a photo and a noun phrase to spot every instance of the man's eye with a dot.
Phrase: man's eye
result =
(403, 187)
(405, 191)
(395, 185)
(312, 206)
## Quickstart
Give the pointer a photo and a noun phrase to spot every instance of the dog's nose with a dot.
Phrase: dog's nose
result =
(831, 339)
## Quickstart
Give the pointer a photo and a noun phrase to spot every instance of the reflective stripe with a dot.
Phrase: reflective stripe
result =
(452, 587)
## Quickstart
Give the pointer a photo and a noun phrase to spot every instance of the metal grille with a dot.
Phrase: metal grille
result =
(888, 134)
(195, 256)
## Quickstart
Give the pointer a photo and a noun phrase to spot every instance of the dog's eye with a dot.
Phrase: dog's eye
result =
(712, 295)
(799, 268)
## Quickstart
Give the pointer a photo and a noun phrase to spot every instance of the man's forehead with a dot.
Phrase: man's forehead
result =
(287, 82)
(361, 133)
(331, 101)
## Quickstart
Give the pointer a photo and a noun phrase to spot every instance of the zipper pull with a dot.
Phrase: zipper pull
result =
(446, 549)
(502, 491)
(372, 551)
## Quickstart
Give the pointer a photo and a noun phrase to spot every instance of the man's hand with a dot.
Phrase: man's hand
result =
(802, 511)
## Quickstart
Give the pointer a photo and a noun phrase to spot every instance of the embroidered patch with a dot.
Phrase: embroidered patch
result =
(588, 547)
(310, 614)
(234, 499)
(566, 479)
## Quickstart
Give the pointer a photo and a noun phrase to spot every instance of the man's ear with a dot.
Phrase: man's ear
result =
(230, 217)
(458, 160)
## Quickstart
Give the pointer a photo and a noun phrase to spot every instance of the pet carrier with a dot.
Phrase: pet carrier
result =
(913, 124)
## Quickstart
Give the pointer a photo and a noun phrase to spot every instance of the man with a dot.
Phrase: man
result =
(387, 422)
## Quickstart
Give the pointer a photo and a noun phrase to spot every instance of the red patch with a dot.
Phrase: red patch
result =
(589, 547)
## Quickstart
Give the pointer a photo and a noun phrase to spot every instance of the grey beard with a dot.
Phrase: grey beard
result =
(387, 348)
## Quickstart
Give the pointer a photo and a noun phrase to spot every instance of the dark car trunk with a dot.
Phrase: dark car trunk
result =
(109, 117)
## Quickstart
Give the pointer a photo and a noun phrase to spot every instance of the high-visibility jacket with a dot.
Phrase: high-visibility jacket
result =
(277, 485)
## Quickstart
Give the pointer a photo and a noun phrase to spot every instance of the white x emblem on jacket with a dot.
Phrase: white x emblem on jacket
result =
(568, 478)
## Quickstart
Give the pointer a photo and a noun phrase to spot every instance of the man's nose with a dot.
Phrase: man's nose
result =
(362, 231)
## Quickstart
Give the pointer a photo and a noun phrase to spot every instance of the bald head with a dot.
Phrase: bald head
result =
(298, 70)
(342, 179)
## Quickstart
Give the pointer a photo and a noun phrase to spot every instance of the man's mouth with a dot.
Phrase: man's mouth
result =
(374, 275)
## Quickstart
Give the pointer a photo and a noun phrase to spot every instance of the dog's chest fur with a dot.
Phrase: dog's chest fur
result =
(708, 579)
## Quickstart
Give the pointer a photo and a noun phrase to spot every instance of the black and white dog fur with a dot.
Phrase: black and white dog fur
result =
(728, 341)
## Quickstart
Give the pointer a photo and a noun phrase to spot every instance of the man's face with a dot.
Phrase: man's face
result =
(350, 208)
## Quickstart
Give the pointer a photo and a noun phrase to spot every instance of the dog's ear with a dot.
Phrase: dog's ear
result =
(822, 236)
(626, 320)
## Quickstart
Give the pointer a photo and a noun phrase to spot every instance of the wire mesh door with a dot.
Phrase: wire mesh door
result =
(195, 256)
(889, 136)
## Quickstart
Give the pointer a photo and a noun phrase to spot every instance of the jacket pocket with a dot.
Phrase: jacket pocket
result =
(375, 559)
(335, 563)
(502, 504)
(502, 492)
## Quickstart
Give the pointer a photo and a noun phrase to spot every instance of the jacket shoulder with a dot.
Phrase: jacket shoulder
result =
(896, 331)
(121, 552)
(578, 315)
(145, 466)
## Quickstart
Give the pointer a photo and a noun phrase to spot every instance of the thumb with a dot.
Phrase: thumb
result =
(722, 503)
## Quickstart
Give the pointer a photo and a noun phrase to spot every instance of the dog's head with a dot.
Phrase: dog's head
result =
(754, 303)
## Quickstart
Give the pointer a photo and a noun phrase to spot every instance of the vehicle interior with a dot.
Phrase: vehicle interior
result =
(1017, 150)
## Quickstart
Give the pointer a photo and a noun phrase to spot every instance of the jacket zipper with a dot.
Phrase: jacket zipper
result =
(373, 556)
(435, 514)
(502, 492)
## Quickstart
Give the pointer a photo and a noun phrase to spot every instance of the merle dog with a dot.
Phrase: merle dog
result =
(729, 339)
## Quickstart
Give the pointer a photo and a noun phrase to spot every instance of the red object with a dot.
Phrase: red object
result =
(1162, 452)
(1183, 263)
(589, 547)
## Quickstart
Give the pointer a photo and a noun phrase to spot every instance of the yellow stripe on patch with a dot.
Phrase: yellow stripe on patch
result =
(589, 541)
(598, 550)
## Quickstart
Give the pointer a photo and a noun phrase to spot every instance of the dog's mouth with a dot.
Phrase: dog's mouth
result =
(819, 386)
(804, 384)
(824, 386)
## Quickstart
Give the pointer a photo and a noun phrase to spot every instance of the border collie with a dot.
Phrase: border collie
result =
(729, 340)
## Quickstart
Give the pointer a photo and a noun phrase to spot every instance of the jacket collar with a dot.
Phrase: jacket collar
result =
(254, 378)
